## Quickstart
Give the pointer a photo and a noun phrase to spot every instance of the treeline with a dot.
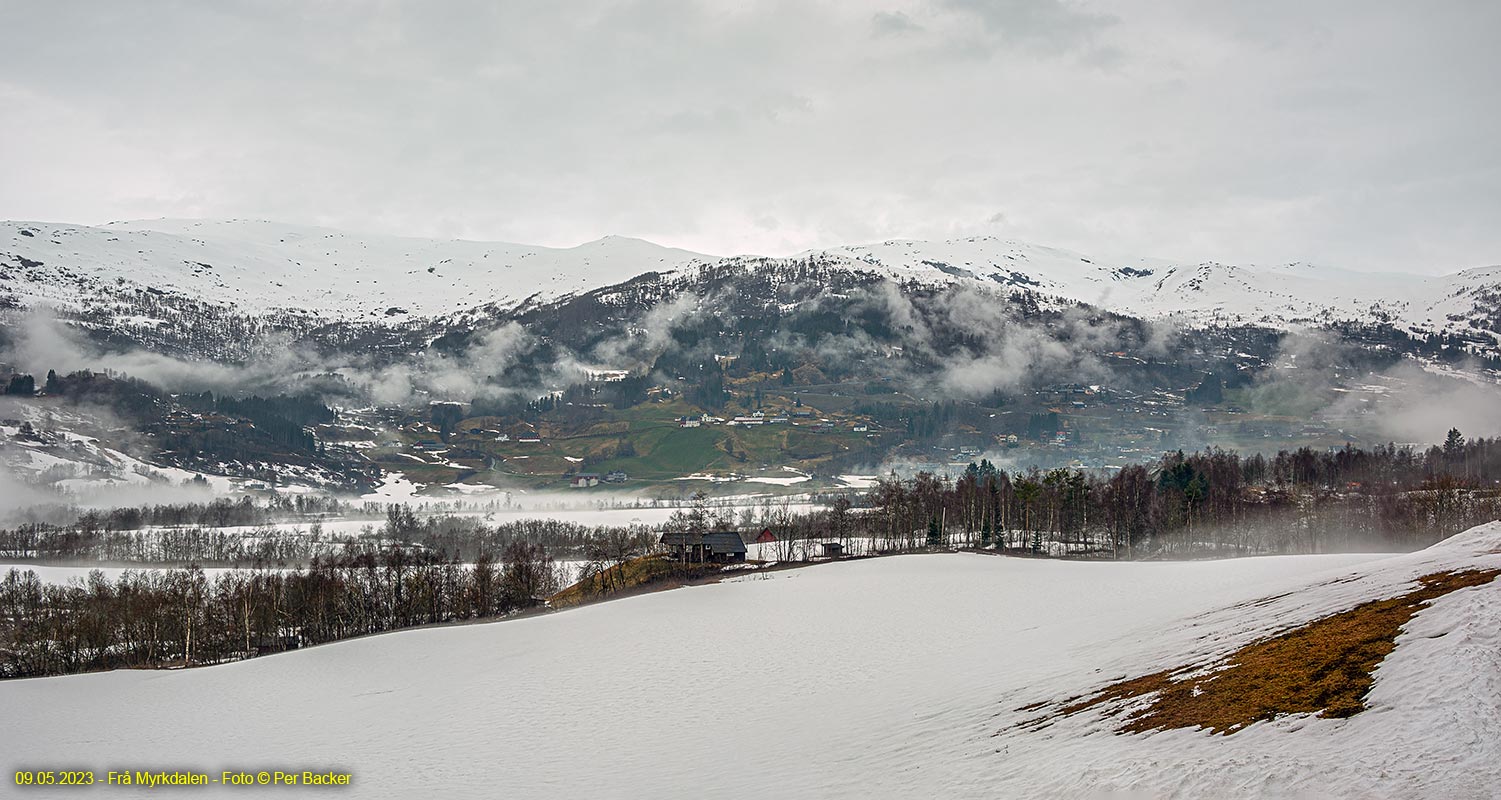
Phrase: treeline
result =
(1211, 502)
(183, 617)
(467, 537)
(85, 536)
(245, 534)
(219, 512)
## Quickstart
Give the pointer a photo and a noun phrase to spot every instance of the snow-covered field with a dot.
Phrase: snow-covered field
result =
(590, 509)
(890, 677)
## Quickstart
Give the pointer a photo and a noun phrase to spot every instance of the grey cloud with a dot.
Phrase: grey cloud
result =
(41, 342)
(889, 23)
(1047, 24)
(1347, 133)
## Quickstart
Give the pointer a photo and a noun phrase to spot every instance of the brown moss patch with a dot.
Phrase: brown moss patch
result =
(1324, 667)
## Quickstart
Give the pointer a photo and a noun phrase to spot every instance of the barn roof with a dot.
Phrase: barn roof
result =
(724, 542)
(719, 542)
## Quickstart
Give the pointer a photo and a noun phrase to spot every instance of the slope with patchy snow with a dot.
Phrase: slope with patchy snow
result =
(882, 678)
(1276, 296)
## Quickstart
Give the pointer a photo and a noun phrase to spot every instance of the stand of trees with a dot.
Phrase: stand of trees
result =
(244, 534)
(1211, 502)
(182, 617)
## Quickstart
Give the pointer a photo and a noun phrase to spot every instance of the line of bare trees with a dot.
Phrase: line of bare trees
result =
(183, 617)
(294, 544)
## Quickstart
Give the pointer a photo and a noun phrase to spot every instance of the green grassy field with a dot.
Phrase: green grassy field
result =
(664, 453)
(645, 441)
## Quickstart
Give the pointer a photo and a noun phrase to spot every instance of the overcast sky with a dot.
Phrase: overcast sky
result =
(1362, 134)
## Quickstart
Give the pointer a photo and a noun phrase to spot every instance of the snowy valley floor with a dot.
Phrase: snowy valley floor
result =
(890, 677)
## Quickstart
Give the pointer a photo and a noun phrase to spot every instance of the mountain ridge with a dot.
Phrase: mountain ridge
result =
(263, 267)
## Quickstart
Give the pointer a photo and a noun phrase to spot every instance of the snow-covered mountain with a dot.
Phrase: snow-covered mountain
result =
(1277, 296)
(262, 266)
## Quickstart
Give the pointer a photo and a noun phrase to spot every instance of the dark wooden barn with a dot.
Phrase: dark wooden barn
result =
(716, 546)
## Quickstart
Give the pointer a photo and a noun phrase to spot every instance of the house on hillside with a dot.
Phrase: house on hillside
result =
(832, 550)
(616, 476)
(766, 537)
(724, 546)
(583, 480)
(698, 548)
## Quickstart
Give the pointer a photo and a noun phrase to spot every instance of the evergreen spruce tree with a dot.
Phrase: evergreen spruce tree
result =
(21, 385)
(1453, 443)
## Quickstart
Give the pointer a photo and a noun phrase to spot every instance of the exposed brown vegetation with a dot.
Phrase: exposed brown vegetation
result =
(1323, 667)
(651, 570)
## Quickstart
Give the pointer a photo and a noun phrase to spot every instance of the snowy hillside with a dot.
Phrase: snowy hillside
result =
(261, 266)
(893, 677)
(1277, 296)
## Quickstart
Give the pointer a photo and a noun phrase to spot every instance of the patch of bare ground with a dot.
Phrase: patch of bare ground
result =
(1324, 667)
(645, 572)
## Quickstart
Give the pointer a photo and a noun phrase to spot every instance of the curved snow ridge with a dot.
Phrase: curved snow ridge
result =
(1481, 540)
